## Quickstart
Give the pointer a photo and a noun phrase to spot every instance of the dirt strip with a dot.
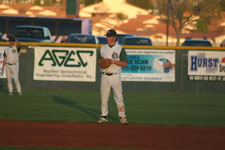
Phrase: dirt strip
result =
(82, 135)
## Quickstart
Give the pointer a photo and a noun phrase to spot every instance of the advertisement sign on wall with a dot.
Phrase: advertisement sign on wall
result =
(65, 64)
(149, 65)
(206, 65)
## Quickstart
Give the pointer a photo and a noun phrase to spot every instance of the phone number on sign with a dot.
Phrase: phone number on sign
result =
(137, 68)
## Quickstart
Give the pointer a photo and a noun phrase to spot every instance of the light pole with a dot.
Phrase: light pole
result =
(167, 22)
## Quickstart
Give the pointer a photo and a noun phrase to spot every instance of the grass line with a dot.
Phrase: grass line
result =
(141, 107)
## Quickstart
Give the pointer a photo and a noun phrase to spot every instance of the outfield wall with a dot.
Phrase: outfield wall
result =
(73, 66)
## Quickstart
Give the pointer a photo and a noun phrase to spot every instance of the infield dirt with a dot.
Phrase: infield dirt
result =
(85, 135)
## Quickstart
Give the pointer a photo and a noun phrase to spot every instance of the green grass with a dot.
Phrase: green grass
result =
(177, 109)
(84, 106)
(141, 107)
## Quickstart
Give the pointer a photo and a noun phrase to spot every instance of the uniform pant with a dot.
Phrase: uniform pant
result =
(114, 82)
(12, 70)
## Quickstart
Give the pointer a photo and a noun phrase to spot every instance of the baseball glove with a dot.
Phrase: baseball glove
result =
(104, 63)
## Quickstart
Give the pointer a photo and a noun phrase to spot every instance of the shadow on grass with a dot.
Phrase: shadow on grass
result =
(67, 102)
(89, 111)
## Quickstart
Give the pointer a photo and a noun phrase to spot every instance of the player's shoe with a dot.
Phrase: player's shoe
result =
(123, 121)
(10, 94)
(102, 120)
(20, 94)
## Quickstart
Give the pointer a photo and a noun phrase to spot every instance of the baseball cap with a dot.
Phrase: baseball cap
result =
(111, 32)
(11, 37)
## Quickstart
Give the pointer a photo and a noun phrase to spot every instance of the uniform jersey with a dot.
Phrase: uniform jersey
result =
(12, 54)
(115, 52)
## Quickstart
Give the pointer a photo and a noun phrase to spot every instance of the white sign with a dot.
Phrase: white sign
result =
(208, 63)
(65, 64)
(149, 65)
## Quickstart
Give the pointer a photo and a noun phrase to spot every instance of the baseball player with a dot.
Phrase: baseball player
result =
(11, 58)
(111, 76)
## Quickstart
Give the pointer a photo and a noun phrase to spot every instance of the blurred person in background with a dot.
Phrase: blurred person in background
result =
(11, 58)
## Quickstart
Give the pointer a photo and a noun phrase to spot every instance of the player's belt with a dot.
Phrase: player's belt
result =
(108, 74)
(11, 64)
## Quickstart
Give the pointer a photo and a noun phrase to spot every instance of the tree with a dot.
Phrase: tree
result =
(37, 2)
(222, 4)
(202, 25)
(48, 3)
(89, 2)
(187, 12)
(146, 4)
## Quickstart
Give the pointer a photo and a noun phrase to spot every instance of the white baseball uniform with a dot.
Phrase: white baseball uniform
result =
(111, 78)
(12, 54)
